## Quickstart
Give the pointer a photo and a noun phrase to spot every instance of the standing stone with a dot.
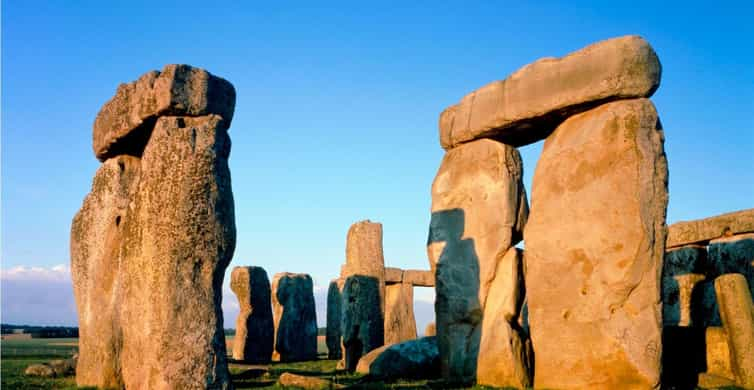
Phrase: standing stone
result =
(255, 329)
(479, 209)
(526, 106)
(717, 352)
(737, 313)
(400, 324)
(295, 318)
(363, 326)
(96, 236)
(682, 269)
(179, 237)
(334, 318)
(430, 330)
(595, 240)
(503, 355)
(364, 254)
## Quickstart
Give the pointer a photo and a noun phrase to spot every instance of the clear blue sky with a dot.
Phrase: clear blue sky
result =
(337, 109)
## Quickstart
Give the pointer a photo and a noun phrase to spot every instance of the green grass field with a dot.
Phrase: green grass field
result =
(16, 355)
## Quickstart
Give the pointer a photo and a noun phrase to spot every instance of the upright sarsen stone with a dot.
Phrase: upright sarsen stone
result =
(179, 237)
(594, 246)
(364, 254)
(96, 236)
(479, 209)
(334, 319)
(737, 313)
(504, 356)
(253, 341)
(400, 323)
(363, 321)
(295, 318)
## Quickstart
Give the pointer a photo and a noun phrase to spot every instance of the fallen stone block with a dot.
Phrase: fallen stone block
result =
(413, 359)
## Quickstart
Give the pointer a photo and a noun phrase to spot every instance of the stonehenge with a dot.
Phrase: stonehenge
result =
(586, 279)
(147, 281)
(253, 342)
(295, 336)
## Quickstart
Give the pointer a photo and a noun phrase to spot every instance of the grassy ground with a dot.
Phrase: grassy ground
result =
(16, 355)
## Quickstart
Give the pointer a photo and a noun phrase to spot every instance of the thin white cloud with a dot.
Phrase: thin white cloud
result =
(60, 272)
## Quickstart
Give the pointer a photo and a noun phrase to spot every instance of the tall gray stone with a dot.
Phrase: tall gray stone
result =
(479, 209)
(96, 236)
(253, 341)
(179, 237)
(364, 254)
(295, 318)
(334, 319)
(363, 321)
(737, 313)
(595, 241)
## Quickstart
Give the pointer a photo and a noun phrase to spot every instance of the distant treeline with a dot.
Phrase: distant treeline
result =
(41, 331)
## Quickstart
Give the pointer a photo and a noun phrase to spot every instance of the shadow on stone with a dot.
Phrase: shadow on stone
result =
(457, 306)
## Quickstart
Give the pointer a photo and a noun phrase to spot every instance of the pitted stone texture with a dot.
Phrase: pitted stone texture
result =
(595, 241)
(717, 352)
(479, 209)
(363, 322)
(255, 328)
(124, 123)
(503, 355)
(683, 268)
(414, 359)
(530, 103)
(180, 235)
(737, 314)
(295, 318)
(96, 236)
(364, 254)
(334, 318)
(701, 231)
(393, 275)
(400, 324)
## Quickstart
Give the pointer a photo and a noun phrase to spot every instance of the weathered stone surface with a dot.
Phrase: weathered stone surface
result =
(334, 318)
(430, 330)
(253, 342)
(363, 323)
(124, 123)
(503, 355)
(683, 268)
(717, 352)
(415, 359)
(41, 370)
(96, 237)
(531, 102)
(288, 380)
(419, 278)
(393, 275)
(364, 254)
(595, 241)
(737, 314)
(702, 231)
(179, 236)
(710, 381)
(479, 209)
(400, 324)
(295, 318)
